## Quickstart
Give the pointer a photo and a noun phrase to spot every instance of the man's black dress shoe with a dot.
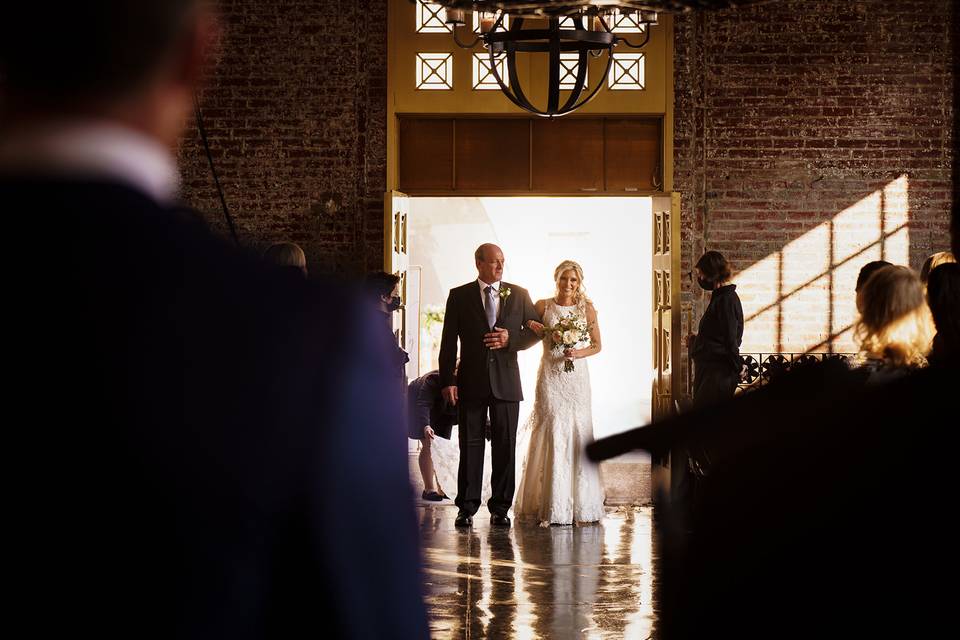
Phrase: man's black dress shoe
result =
(463, 520)
(499, 520)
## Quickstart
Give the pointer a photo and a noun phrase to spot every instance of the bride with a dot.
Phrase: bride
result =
(559, 485)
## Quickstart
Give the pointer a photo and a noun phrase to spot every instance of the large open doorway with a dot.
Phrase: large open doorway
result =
(609, 236)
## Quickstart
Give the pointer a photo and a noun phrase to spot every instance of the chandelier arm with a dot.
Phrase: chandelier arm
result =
(596, 89)
(539, 37)
(519, 99)
(516, 88)
(646, 39)
(456, 39)
(553, 85)
(604, 23)
(581, 81)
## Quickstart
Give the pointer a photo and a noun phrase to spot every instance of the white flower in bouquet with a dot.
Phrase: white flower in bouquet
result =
(570, 337)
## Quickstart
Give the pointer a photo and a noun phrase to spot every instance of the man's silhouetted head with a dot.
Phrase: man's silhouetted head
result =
(132, 61)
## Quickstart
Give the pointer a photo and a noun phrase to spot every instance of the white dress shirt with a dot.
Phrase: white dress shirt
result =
(94, 150)
(496, 296)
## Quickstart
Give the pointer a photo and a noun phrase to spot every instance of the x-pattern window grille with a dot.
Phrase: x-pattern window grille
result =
(483, 78)
(626, 23)
(569, 66)
(435, 71)
(619, 23)
(430, 18)
(626, 72)
(476, 21)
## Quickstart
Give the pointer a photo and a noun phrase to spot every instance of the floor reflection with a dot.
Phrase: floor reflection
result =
(539, 582)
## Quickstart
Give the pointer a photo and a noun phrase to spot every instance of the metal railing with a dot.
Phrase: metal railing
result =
(757, 369)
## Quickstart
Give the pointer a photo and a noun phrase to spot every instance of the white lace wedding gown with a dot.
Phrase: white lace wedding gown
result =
(559, 484)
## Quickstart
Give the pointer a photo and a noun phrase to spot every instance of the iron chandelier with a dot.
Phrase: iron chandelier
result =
(581, 27)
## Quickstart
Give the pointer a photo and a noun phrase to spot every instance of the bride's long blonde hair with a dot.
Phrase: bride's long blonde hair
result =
(581, 298)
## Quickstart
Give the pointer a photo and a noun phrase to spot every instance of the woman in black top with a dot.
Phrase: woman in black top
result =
(715, 349)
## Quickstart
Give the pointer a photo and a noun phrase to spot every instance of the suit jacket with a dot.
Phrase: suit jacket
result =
(189, 420)
(485, 372)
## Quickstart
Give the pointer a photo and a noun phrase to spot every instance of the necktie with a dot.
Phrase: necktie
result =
(488, 303)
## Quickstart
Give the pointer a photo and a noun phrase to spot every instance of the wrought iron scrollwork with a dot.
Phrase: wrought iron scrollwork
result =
(757, 369)
(749, 369)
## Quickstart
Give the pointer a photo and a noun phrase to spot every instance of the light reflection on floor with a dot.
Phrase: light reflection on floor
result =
(593, 581)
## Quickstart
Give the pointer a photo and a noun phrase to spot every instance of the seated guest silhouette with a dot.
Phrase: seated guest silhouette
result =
(866, 271)
(943, 298)
(933, 261)
(895, 329)
(288, 256)
(187, 419)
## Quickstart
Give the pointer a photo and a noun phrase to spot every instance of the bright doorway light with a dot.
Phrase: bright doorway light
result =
(609, 237)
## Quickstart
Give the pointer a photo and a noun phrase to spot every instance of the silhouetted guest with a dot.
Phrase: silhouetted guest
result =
(943, 298)
(183, 438)
(933, 261)
(715, 348)
(287, 256)
(895, 330)
(430, 416)
(866, 271)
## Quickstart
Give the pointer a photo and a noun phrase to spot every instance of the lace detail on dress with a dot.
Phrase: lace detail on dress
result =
(558, 483)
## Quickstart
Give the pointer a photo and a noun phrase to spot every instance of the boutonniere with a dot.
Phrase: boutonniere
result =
(505, 293)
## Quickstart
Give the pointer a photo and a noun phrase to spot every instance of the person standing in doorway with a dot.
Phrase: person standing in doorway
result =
(715, 348)
(489, 318)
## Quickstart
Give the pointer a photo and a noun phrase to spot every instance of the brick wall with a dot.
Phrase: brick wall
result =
(811, 138)
(295, 110)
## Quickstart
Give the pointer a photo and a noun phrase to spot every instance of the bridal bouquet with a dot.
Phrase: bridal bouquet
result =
(569, 331)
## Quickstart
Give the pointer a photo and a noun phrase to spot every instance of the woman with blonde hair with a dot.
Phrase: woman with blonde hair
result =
(895, 329)
(559, 485)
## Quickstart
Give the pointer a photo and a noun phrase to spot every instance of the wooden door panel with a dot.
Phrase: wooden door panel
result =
(568, 155)
(492, 154)
(632, 154)
(426, 154)
(613, 155)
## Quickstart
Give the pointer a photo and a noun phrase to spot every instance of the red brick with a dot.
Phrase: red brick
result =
(804, 109)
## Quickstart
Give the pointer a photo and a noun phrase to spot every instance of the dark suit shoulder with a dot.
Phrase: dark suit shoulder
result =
(465, 287)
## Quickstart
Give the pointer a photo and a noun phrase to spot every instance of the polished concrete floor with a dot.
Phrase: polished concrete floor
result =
(593, 581)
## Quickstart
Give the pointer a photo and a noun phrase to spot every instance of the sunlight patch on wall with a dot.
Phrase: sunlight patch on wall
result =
(801, 298)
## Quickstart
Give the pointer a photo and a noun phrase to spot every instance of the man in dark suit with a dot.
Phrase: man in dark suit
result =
(489, 318)
(188, 418)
